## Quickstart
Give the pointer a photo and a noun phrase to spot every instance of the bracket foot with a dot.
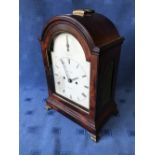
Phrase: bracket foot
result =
(47, 107)
(94, 137)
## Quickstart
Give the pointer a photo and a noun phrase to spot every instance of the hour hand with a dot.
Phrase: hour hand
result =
(74, 79)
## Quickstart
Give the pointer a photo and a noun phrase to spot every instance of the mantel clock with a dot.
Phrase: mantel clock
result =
(81, 53)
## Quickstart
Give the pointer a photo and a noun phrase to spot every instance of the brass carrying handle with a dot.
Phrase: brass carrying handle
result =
(82, 12)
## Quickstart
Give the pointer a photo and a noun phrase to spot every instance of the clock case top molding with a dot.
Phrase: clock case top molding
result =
(101, 43)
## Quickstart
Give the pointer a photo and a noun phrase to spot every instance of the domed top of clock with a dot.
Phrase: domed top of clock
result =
(98, 31)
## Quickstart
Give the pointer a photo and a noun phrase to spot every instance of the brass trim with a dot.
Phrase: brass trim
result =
(47, 107)
(93, 137)
(82, 12)
(78, 12)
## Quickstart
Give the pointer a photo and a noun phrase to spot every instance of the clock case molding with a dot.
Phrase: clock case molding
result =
(101, 43)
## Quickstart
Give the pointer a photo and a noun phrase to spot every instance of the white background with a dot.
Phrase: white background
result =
(9, 77)
(145, 77)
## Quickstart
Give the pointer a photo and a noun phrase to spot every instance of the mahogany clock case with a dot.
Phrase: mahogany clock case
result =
(102, 44)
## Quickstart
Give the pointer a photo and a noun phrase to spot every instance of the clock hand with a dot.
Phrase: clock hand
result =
(67, 44)
(74, 79)
(65, 69)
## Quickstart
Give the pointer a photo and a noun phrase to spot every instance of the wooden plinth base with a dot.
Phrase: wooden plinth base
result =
(93, 127)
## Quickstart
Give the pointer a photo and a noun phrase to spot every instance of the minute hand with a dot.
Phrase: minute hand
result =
(65, 69)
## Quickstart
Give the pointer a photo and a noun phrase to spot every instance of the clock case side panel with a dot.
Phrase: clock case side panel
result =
(84, 118)
(48, 70)
(107, 77)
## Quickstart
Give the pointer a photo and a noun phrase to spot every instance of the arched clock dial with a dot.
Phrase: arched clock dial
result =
(71, 70)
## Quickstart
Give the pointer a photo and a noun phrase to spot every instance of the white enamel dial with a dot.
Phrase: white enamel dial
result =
(71, 70)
